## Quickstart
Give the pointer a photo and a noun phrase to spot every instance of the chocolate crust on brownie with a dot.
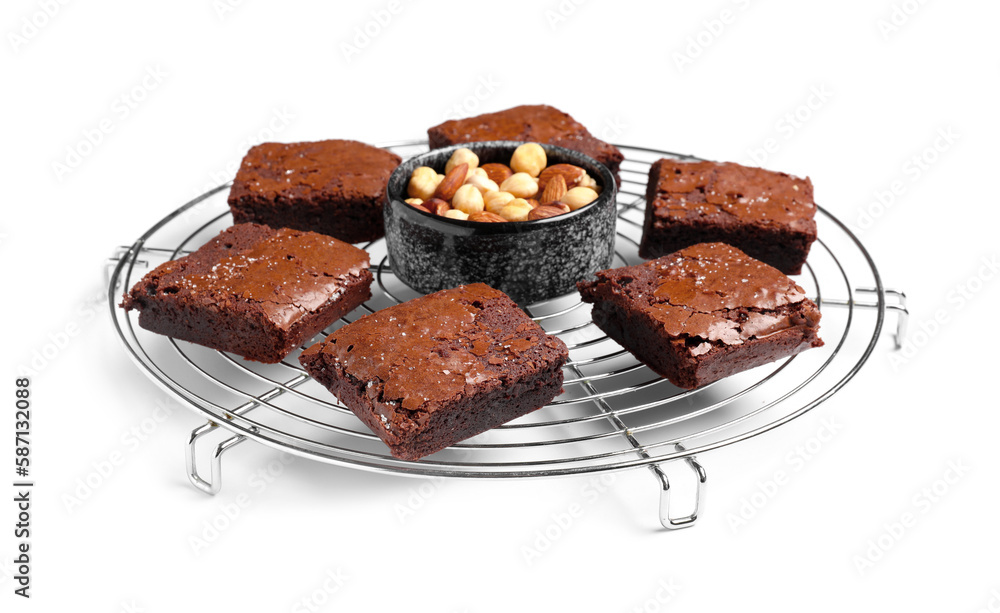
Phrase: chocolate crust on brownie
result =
(253, 291)
(768, 215)
(441, 368)
(536, 123)
(703, 313)
(334, 187)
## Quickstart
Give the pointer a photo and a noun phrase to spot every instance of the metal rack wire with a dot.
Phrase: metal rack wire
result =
(614, 413)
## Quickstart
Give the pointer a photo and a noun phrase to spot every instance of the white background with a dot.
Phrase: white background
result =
(225, 73)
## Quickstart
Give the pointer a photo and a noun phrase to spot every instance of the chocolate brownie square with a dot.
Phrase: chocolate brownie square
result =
(768, 215)
(253, 291)
(334, 187)
(441, 368)
(536, 123)
(703, 313)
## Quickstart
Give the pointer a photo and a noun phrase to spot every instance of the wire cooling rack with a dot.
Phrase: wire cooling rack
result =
(614, 412)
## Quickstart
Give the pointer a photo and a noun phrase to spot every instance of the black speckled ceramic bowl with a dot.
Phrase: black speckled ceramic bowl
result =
(528, 260)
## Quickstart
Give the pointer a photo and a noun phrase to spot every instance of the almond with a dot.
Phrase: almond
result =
(486, 216)
(417, 203)
(545, 211)
(452, 181)
(497, 172)
(437, 206)
(571, 174)
(534, 203)
(555, 189)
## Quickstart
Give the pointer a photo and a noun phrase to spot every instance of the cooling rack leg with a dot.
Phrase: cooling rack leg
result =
(895, 301)
(669, 522)
(112, 262)
(209, 487)
(902, 315)
(109, 266)
(666, 517)
(191, 458)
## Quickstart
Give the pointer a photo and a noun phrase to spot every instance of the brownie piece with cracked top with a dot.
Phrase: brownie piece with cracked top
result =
(430, 372)
(768, 215)
(703, 313)
(538, 123)
(253, 291)
(334, 187)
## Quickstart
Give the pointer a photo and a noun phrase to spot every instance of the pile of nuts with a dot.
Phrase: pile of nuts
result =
(525, 190)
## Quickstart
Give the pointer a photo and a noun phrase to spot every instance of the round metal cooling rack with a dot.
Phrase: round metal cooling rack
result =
(614, 412)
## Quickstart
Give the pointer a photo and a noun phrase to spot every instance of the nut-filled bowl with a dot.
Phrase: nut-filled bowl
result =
(529, 260)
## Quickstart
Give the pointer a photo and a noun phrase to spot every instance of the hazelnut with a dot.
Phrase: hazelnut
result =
(588, 181)
(468, 199)
(483, 183)
(529, 158)
(423, 182)
(456, 214)
(497, 200)
(521, 184)
(578, 197)
(517, 210)
(463, 156)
